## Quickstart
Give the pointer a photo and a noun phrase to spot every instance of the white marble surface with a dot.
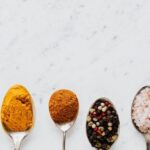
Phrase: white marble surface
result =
(94, 47)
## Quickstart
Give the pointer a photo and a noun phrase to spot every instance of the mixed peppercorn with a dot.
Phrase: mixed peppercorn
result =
(102, 124)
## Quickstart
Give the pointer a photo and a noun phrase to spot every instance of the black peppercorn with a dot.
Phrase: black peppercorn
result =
(102, 124)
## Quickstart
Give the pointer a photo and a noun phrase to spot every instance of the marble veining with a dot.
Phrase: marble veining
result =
(95, 48)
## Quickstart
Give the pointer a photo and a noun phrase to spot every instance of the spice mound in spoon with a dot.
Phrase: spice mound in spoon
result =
(17, 112)
(63, 106)
(102, 124)
(141, 110)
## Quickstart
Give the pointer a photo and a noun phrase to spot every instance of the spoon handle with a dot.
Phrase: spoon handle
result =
(148, 146)
(17, 145)
(64, 140)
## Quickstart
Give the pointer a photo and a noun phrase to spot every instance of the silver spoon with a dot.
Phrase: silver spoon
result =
(16, 136)
(146, 134)
(64, 127)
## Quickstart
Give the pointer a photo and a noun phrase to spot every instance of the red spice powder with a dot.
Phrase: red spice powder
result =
(63, 106)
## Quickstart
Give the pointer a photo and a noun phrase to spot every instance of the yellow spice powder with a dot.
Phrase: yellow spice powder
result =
(17, 112)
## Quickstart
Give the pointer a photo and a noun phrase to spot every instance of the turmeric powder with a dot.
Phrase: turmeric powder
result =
(17, 111)
(63, 106)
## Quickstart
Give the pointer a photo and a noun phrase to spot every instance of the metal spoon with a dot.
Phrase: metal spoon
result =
(146, 135)
(16, 136)
(64, 127)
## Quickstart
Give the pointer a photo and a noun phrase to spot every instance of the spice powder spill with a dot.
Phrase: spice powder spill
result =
(63, 106)
(141, 110)
(17, 111)
(102, 124)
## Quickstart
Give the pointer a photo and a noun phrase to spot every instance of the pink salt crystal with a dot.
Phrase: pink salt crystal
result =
(141, 110)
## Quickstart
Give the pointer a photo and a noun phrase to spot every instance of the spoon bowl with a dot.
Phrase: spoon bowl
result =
(98, 121)
(63, 108)
(66, 126)
(135, 102)
(17, 114)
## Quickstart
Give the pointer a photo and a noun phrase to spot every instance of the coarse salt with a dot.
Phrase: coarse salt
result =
(141, 110)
